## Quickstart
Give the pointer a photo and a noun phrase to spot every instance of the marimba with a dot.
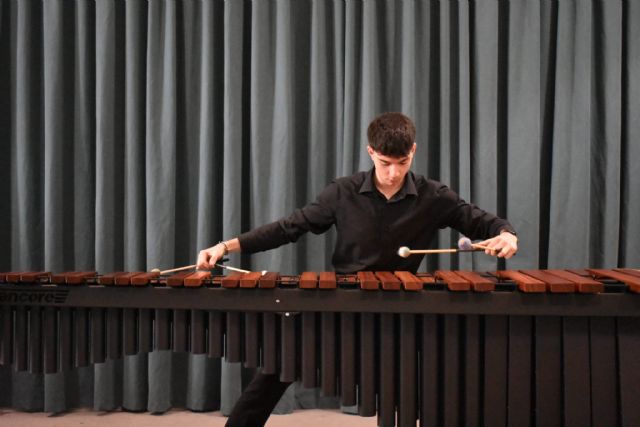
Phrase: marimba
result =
(524, 347)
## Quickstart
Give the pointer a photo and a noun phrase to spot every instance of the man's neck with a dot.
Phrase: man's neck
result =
(387, 192)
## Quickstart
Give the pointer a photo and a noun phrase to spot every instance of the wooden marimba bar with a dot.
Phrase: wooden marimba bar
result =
(553, 347)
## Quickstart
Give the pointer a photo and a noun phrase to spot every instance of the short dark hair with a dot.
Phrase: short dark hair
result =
(392, 134)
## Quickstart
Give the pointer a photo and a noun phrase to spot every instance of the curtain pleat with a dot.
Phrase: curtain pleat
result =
(135, 248)
(629, 245)
(135, 133)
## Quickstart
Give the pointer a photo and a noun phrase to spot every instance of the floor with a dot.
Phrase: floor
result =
(86, 418)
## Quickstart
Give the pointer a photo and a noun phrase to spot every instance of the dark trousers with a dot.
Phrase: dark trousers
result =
(257, 401)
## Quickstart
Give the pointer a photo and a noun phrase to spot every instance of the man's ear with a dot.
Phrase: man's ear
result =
(414, 148)
(370, 150)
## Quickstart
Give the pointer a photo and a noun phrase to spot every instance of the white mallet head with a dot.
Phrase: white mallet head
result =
(465, 244)
(404, 252)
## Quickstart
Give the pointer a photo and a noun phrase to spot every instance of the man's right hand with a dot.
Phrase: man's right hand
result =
(207, 258)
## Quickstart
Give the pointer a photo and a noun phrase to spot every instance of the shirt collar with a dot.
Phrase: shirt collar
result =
(408, 188)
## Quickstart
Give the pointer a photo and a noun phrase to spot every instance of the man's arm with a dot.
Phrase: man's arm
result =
(316, 217)
(500, 237)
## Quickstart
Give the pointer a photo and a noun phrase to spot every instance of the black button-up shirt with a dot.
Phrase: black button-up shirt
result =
(370, 228)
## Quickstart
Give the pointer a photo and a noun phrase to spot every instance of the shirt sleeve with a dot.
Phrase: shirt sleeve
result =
(317, 217)
(468, 218)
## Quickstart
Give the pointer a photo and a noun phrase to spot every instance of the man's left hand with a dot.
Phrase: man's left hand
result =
(505, 245)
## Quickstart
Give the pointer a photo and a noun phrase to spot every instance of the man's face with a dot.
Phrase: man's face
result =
(390, 171)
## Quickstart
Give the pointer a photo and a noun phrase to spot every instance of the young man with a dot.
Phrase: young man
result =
(375, 213)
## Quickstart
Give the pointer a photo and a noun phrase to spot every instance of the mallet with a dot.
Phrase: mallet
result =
(189, 267)
(464, 245)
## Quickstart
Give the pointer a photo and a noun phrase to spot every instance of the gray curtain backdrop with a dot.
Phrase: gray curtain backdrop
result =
(134, 133)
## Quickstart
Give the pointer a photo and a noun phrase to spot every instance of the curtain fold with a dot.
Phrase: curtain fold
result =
(135, 133)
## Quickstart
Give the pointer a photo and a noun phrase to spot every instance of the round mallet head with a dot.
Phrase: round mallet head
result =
(465, 244)
(404, 252)
(155, 270)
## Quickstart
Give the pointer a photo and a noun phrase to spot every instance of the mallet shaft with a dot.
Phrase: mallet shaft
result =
(189, 267)
(174, 270)
(440, 251)
(239, 270)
